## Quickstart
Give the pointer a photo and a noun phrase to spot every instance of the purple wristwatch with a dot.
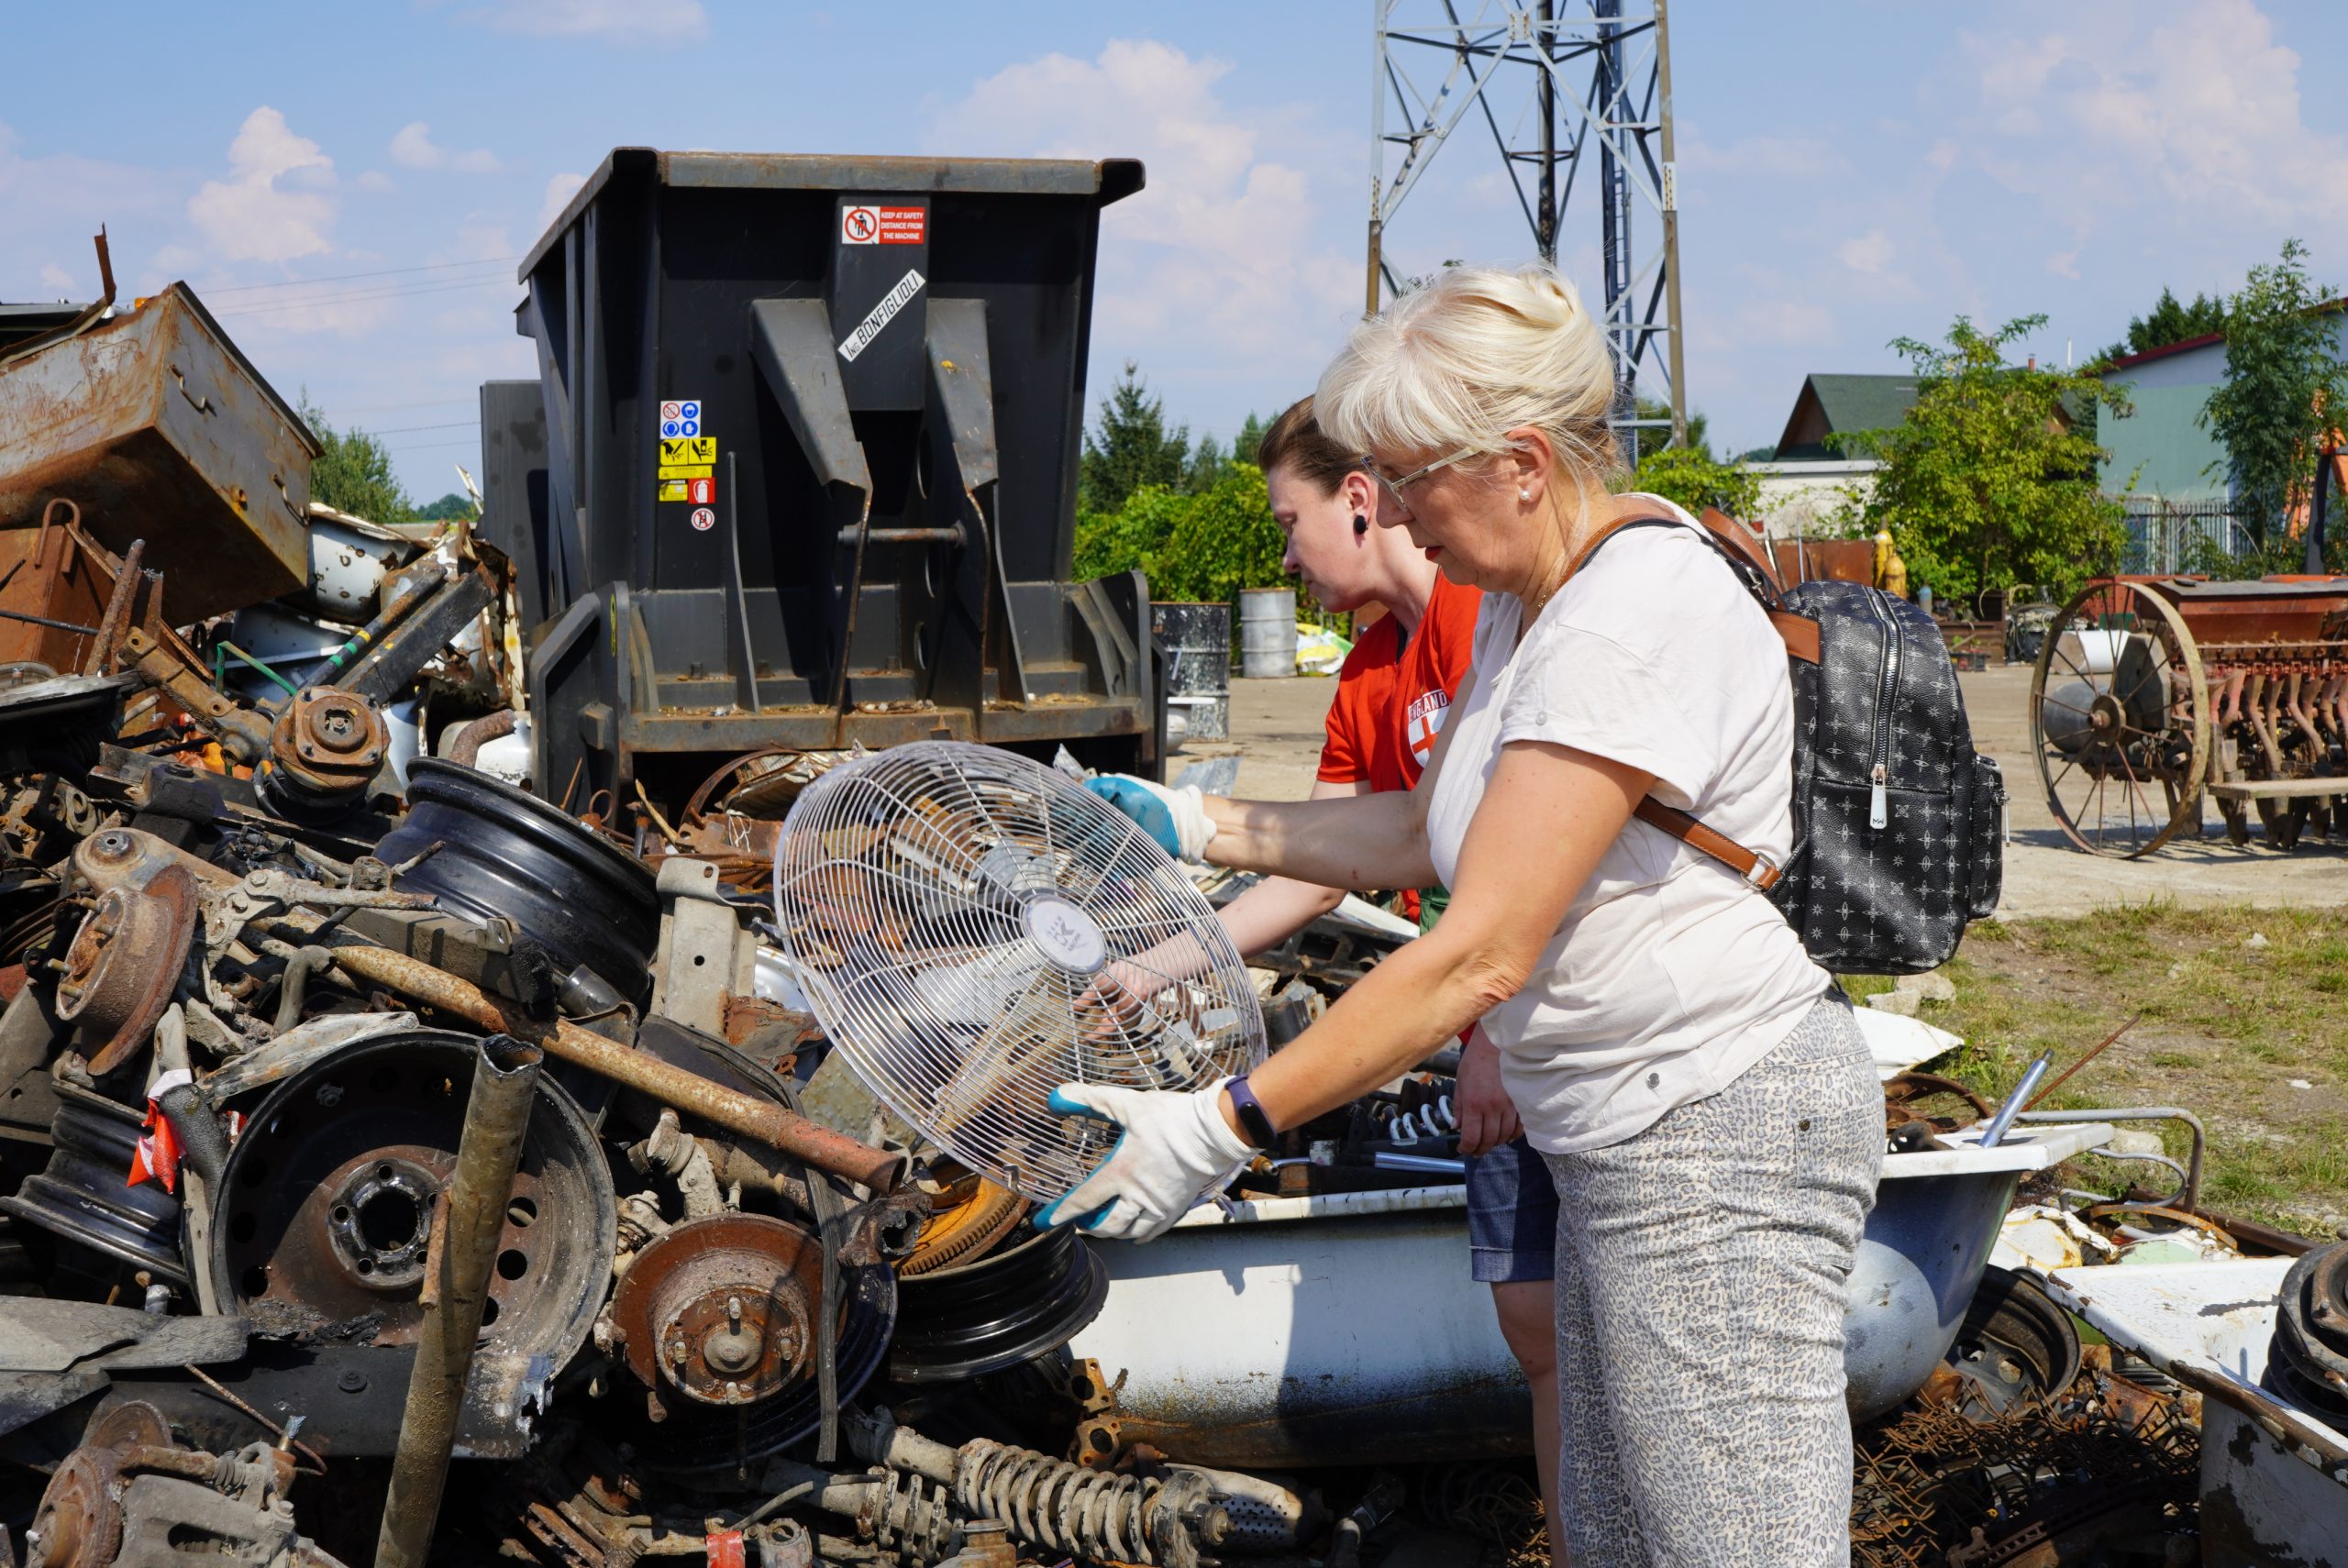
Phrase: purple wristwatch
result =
(1250, 1112)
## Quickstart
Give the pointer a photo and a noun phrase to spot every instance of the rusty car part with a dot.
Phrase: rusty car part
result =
(1173, 1521)
(41, 812)
(83, 1196)
(675, 1318)
(968, 1215)
(2307, 1361)
(245, 735)
(479, 1203)
(326, 1210)
(124, 963)
(161, 430)
(721, 1311)
(129, 1498)
(773, 1125)
(325, 749)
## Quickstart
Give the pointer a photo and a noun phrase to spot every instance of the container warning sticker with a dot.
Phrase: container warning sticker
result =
(704, 519)
(701, 492)
(867, 330)
(688, 457)
(680, 418)
(674, 489)
(884, 226)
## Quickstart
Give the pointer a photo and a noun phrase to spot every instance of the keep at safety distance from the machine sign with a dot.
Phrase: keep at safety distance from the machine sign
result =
(883, 225)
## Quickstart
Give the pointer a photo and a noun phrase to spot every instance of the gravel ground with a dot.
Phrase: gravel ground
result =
(1275, 734)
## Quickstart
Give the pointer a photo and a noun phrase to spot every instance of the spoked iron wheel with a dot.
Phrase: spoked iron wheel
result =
(2119, 718)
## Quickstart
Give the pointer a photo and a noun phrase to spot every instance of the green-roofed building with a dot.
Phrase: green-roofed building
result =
(1833, 406)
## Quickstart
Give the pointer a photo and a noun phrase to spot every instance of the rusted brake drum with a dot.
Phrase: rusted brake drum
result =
(328, 1200)
(717, 1317)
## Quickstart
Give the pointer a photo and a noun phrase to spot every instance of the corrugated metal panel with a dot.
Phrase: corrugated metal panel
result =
(2164, 445)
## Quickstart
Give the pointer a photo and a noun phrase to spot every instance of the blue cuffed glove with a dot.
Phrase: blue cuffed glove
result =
(1176, 818)
(1176, 1148)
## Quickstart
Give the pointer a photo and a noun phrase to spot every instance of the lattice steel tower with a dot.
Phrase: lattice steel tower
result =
(1554, 82)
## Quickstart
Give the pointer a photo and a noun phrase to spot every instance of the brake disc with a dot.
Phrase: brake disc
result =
(326, 1204)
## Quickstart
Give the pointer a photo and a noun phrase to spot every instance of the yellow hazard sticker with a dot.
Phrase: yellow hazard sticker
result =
(683, 471)
(701, 449)
(673, 489)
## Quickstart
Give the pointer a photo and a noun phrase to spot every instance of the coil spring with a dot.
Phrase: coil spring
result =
(914, 1517)
(1433, 1118)
(1066, 1507)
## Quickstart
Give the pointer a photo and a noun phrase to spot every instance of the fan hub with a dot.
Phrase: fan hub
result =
(1070, 938)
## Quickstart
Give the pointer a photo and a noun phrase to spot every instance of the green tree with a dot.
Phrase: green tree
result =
(1699, 428)
(353, 471)
(2284, 390)
(1205, 466)
(2168, 322)
(1221, 541)
(1692, 476)
(448, 508)
(1131, 446)
(1250, 436)
(1988, 482)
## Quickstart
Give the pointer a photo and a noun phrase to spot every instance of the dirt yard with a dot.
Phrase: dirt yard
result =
(2251, 1035)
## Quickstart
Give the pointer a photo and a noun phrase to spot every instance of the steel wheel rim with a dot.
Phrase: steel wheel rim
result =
(2102, 766)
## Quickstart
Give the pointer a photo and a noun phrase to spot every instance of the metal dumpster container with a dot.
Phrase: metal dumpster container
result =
(811, 438)
(158, 429)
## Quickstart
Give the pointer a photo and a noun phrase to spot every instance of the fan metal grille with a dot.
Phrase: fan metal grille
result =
(959, 916)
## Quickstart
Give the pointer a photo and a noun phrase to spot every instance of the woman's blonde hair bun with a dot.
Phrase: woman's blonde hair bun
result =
(1477, 351)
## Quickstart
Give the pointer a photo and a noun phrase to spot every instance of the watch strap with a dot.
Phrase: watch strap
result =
(1252, 1122)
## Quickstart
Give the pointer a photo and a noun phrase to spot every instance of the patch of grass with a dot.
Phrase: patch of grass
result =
(2242, 1021)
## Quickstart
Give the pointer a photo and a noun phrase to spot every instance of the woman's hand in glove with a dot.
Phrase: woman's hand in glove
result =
(1176, 1147)
(1176, 818)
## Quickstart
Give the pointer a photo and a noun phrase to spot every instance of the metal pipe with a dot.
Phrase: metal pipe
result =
(775, 1126)
(465, 750)
(1425, 1164)
(1675, 343)
(2192, 1197)
(1995, 1134)
(45, 620)
(497, 1116)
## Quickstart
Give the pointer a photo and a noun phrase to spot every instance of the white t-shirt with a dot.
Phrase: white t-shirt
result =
(1669, 975)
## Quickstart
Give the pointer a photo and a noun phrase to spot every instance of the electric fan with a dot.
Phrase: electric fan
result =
(973, 929)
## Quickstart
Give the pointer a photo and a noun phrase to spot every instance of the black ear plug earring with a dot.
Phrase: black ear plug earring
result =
(1361, 523)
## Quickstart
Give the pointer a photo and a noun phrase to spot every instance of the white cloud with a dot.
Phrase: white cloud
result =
(53, 276)
(1870, 252)
(628, 21)
(373, 179)
(559, 190)
(1217, 268)
(414, 148)
(275, 208)
(2186, 116)
(1795, 157)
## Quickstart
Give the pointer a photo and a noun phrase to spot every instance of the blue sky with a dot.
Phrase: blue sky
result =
(1849, 172)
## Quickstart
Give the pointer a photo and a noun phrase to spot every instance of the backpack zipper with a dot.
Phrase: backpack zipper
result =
(1887, 678)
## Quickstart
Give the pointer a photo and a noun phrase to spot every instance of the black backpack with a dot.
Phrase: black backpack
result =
(1898, 820)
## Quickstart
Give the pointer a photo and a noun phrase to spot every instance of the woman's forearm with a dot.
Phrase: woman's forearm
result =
(1420, 995)
(1369, 841)
(1274, 910)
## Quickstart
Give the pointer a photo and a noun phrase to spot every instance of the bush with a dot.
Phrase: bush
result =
(1204, 547)
(1696, 480)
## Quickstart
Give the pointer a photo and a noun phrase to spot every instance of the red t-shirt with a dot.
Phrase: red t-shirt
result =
(1390, 702)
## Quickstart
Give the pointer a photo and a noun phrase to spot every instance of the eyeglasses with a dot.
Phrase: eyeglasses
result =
(1392, 507)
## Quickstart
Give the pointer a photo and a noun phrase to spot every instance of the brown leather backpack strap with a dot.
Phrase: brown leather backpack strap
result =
(1739, 538)
(1758, 869)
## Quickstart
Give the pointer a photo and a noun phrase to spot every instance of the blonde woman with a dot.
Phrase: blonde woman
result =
(1704, 1103)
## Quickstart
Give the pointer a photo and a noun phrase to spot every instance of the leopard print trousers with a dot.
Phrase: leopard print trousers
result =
(1700, 1269)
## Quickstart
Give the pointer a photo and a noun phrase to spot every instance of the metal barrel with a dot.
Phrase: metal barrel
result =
(1267, 633)
(1197, 640)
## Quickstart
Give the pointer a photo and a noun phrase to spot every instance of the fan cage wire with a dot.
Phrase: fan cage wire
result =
(901, 885)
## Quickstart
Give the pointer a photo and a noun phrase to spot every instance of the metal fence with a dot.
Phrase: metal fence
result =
(2180, 536)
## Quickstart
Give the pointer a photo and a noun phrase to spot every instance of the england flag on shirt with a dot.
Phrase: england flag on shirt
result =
(1425, 721)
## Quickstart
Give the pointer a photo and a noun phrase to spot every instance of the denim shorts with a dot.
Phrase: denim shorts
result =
(1512, 1215)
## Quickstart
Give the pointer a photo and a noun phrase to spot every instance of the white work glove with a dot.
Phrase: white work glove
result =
(1176, 819)
(1176, 1148)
